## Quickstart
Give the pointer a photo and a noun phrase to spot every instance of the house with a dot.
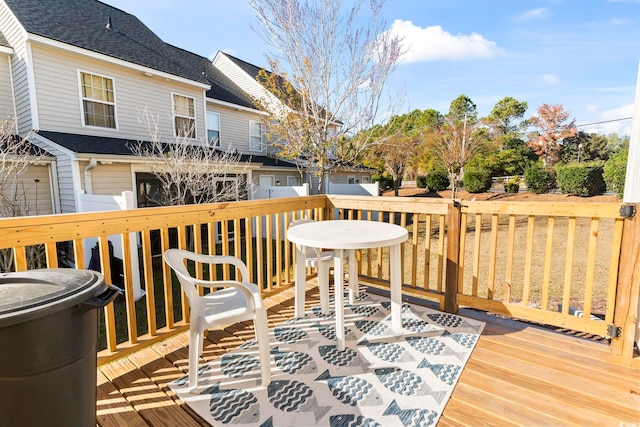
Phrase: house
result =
(85, 75)
(81, 73)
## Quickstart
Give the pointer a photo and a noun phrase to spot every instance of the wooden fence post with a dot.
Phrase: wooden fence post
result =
(628, 288)
(453, 257)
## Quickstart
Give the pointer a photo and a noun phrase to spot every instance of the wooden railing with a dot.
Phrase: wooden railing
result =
(517, 259)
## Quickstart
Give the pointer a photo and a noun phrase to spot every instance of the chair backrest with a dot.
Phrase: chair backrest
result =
(308, 252)
(176, 258)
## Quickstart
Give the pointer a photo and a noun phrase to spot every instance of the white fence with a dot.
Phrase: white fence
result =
(97, 203)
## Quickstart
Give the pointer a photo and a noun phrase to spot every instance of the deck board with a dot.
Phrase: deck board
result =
(518, 374)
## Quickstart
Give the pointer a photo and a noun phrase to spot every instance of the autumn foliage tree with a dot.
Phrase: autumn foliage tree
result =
(399, 142)
(456, 139)
(551, 128)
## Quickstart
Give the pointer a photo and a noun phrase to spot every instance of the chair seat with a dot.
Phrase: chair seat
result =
(226, 305)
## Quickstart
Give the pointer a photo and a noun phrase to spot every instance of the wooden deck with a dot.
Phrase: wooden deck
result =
(518, 374)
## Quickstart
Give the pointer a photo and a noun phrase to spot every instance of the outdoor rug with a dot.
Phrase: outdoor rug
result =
(382, 378)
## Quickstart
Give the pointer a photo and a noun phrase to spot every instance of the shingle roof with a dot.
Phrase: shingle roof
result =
(86, 144)
(222, 88)
(96, 26)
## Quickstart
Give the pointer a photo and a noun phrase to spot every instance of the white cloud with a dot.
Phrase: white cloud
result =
(550, 79)
(539, 13)
(433, 44)
(615, 120)
(618, 21)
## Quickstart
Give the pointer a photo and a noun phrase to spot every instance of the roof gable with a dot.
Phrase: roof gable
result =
(222, 88)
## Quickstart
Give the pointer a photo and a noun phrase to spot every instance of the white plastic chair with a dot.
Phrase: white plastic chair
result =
(323, 261)
(236, 301)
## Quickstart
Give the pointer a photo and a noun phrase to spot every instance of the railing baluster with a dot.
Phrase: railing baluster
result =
(568, 268)
(526, 288)
(149, 285)
(167, 280)
(493, 248)
(109, 313)
(128, 289)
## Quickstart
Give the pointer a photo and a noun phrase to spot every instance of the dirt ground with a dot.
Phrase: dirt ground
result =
(514, 197)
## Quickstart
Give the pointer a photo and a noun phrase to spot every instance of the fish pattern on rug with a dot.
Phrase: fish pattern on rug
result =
(384, 377)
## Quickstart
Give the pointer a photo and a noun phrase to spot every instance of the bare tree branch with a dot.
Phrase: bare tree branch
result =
(336, 72)
(191, 172)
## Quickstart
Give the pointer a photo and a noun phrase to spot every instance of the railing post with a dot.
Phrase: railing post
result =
(454, 218)
(627, 289)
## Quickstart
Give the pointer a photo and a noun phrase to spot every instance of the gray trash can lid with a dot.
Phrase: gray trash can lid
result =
(31, 294)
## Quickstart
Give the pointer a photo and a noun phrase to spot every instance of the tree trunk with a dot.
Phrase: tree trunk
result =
(453, 179)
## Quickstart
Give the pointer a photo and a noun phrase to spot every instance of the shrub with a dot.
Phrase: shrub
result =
(421, 181)
(581, 179)
(386, 182)
(437, 180)
(476, 181)
(512, 185)
(539, 180)
(615, 170)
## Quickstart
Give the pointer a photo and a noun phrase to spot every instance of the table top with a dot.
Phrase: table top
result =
(347, 234)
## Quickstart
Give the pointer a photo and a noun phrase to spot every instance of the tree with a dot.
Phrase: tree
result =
(550, 130)
(506, 120)
(17, 155)
(456, 139)
(397, 142)
(584, 147)
(334, 86)
(190, 172)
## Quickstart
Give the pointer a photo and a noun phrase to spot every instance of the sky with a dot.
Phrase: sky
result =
(581, 54)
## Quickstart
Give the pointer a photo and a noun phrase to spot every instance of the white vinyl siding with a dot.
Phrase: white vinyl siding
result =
(34, 190)
(234, 125)
(6, 98)
(111, 180)
(184, 116)
(15, 34)
(97, 94)
(255, 136)
(60, 107)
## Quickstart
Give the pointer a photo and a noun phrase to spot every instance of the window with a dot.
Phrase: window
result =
(213, 129)
(98, 100)
(255, 136)
(184, 116)
(351, 179)
(293, 181)
(365, 179)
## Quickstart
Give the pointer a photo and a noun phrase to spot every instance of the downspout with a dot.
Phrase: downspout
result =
(88, 185)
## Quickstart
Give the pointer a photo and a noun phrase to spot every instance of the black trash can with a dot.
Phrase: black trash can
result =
(48, 338)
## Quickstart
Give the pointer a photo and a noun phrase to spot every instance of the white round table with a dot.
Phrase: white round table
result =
(341, 235)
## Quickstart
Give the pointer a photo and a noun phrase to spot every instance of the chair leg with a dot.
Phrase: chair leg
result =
(195, 349)
(354, 290)
(262, 336)
(323, 286)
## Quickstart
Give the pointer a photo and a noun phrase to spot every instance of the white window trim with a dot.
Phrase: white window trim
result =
(174, 115)
(219, 128)
(366, 179)
(81, 99)
(251, 148)
(272, 177)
